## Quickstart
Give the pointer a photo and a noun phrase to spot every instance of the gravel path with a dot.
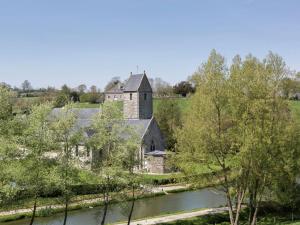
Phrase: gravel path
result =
(170, 218)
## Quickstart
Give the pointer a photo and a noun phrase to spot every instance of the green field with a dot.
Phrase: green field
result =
(295, 106)
(182, 102)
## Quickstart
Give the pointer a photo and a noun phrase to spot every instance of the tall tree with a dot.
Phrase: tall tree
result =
(38, 140)
(238, 126)
(26, 86)
(110, 141)
(82, 88)
(112, 83)
(205, 138)
(67, 138)
(10, 130)
(184, 88)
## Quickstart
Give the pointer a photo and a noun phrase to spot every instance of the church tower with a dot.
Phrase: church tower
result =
(137, 97)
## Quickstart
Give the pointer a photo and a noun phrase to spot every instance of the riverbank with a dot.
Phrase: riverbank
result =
(176, 217)
(92, 201)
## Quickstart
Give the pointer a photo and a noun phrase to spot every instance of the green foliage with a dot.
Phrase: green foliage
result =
(61, 100)
(239, 124)
(6, 104)
(91, 97)
(168, 117)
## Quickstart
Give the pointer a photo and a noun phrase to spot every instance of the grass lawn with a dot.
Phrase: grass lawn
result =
(182, 102)
(295, 106)
(86, 105)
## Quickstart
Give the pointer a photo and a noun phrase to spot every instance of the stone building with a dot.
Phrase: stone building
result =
(115, 93)
(138, 114)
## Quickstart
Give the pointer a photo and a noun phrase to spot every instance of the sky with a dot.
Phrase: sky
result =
(56, 42)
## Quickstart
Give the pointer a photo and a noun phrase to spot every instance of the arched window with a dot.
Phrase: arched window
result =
(88, 151)
(152, 146)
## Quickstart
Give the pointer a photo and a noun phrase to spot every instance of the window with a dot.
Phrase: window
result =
(87, 151)
(152, 147)
(145, 96)
(76, 150)
(130, 96)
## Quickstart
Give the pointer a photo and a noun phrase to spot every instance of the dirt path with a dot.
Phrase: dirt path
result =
(170, 218)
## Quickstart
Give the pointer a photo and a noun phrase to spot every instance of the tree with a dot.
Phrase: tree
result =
(205, 139)
(74, 96)
(112, 83)
(161, 88)
(26, 86)
(9, 153)
(264, 123)
(239, 127)
(6, 103)
(67, 138)
(38, 139)
(168, 116)
(183, 88)
(61, 100)
(3, 84)
(82, 88)
(110, 142)
(64, 96)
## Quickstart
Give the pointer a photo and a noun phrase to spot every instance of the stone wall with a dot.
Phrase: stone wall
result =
(131, 107)
(145, 105)
(155, 164)
(113, 97)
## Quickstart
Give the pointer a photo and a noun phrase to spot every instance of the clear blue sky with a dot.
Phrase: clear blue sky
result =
(52, 42)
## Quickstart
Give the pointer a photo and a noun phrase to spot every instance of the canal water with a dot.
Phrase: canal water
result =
(148, 207)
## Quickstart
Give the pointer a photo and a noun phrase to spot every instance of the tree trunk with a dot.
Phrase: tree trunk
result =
(239, 206)
(229, 203)
(105, 208)
(251, 207)
(254, 216)
(132, 207)
(66, 211)
(33, 212)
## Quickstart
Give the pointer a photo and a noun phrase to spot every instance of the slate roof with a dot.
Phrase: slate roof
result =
(116, 89)
(85, 119)
(133, 83)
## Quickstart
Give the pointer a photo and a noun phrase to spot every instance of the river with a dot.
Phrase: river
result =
(148, 207)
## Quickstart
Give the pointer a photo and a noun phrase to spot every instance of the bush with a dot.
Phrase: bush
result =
(91, 98)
